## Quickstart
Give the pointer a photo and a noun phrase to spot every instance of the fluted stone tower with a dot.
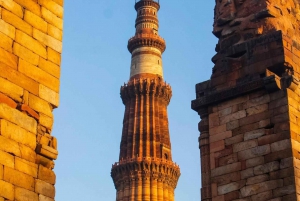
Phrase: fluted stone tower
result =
(145, 170)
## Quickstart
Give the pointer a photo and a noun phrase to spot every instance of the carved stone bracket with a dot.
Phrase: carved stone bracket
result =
(152, 87)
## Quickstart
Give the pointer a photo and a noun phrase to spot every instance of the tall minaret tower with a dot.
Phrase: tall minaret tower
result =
(145, 171)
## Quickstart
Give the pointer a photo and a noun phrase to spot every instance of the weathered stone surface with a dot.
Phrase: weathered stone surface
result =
(46, 175)
(262, 196)
(44, 198)
(18, 134)
(53, 7)
(26, 167)
(18, 178)
(54, 56)
(286, 190)
(30, 43)
(257, 179)
(8, 58)
(55, 32)
(6, 42)
(16, 22)
(50, 67)
(35, 21)
(30, 5)
(226, 169)
(51, 18)
(255, 161)
(244, 145)
(49, 95)
(230, 187)
(266, 168)
(7, 29)
(281, 145)
(44, 188)
(254, 152)
(7, 159)
(46, 121)
(260, 187)
(254, 134)
(40, 105)
(18, 118)
(7, 190)
(25, 54)
(39, 75)
(12, 90)
(13, 7)
(47, 40)
(22, 194)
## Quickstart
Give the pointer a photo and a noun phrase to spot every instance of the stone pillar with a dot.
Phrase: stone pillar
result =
(249, 145)
(30, 59)
(160, 190)
(153, 189)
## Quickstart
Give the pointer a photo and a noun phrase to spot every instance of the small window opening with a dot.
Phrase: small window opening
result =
(158, 61)
(166, 156)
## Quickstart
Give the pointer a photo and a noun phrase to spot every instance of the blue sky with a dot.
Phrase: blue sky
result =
(96, 62)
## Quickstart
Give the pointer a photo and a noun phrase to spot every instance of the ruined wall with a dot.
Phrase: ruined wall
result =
(249, 109)
(30, 57)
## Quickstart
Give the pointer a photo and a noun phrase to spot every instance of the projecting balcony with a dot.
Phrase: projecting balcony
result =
(140, 3)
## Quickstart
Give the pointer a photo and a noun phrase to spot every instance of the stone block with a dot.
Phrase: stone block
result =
(52, 18)
(217, 129)
(47, 40)
(266, 168)
(8, 58)
(232, 195)
(226, 169)
(276, 156)
(25, 54)
(247, 173)
(281, 145)
(214, 120)
(260, 100)
(244, 145)
(278, 102)
(234, 140)
(30, 43)
(30, 5)
(220, 136)
(12, 90)
(40, 105)
(254, 134)
(232, 117)
(19, 79)
(264, 123)
(260, 187)
(7, 190)
(60, 2)
(44, 188)
(35, 21)
(18, 178)
(53, 7)
(22, 194)
(44, 198)
(227, 178)
(255, 161)
(284, 173)
(27, 153)
(227, 160)
(17, 22)
(217, 146)
(47, 151)
(29, 111)
(227, 188)
(232, 125)
(9, 146)
(18, 118)
(26, 167)
(254, 152)
(46, 121)
(256, 109)
(8, 101)
(50, 67)
(262, 196)
(257, 179)
(225, 112)
(285, 190)
(54, 56)
(6, 42)
(18, 134)
(47, 175)
(55, 32)
(254, 118)
(39, 75)
(13, 7)
(7, 29)
(7, 159)
(269, 139)
(49, 95)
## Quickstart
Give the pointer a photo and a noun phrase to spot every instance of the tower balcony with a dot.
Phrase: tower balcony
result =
(146, 40)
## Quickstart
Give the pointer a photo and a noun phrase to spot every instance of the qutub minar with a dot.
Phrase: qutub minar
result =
(145, 171)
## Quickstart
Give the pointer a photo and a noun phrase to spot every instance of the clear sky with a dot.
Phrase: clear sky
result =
(96, 62)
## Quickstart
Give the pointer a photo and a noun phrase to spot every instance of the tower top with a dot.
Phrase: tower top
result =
(140, 3)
